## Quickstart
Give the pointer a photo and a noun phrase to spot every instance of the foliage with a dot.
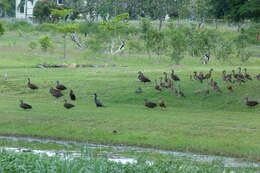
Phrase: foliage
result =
(115, 24)
(2, 30)
(8, 6)
(42, 10)
(87, 162)
(57, 13)
(32, 45)
(224, 50)
(45, 43)
(252, 33)
(15, 25)
(46, 27)
(156, 41)
(177, 44)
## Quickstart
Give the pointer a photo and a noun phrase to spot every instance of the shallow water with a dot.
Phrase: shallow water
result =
(228, 161)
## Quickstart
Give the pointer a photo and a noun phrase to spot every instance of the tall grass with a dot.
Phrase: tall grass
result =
(29, 162)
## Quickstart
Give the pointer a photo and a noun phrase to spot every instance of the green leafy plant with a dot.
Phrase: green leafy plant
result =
(45, 43)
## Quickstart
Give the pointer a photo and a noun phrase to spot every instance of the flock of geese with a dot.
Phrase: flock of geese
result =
(57, 93)
(164, 82)
(170, 81)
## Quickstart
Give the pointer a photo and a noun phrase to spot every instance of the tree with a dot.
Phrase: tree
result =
(8, 7)
(64, 28)
(113, 27)
(42, 10)
(236, 10)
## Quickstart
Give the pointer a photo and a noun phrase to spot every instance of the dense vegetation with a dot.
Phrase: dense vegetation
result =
(28, 162)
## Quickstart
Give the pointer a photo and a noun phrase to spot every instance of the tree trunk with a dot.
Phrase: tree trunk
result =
(161, 22)
(65, 46)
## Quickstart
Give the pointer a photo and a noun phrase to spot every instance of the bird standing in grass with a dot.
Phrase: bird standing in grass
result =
(180, 92)
(25, 106)
(97, 102)
(60, 86)
(162, 104)
(55, 93)
(208, 75)
(72, 95)
(157, 87)
(149, 104)
(68, 105)
(142, 78)
(165, 77)
(31, 86)
(251, 103)
(247, 76)
(257, 77)
(230, 88)
(206, 91)
(174, 76)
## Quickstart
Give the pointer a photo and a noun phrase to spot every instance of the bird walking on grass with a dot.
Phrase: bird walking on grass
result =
(257, 77)
(32, 86)
(72, 95)
(68, 105)
(230, 88)
(97, 102)
(60, 86)
(157, 87)
(174, 76)
(251, 103)
(55, 93)
(149, 104)
(247, 76)
(162, 104)
(24, 106)
(142, 78)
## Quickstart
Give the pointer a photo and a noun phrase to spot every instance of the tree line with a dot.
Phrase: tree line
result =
(232, 10)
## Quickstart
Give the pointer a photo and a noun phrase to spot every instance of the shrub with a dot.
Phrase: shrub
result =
(2, 30)
(19, 25)
(224, 50)
(89, 27)
(45, 27)
(252, 33)
(45, 43)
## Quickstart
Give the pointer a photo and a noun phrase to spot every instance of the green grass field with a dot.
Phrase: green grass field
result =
(218, 124)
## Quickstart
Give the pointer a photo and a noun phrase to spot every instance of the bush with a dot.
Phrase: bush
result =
(252, 33)
(45, 27)
(45, 43)
(2, 30)
(89, 27)
(225, 50)
(15, 25)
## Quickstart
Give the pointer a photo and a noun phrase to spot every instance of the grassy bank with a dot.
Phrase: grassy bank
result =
(28, 162)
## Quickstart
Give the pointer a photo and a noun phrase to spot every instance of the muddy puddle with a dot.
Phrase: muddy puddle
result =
(229, 162)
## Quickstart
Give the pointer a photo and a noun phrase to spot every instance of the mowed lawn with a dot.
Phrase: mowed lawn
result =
(216, 124)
